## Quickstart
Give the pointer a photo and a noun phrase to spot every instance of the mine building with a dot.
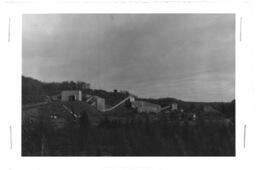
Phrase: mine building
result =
(71, 95)
(96, 101)
(174, 106)
(99, 103)
(143, 106)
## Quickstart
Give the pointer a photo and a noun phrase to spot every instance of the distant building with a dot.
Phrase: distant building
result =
(99, 103)
(71, 95)
(132, 98)
(96, 101)
(174, 106)
(146, 107)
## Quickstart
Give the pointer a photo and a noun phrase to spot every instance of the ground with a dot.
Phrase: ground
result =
(50, 129)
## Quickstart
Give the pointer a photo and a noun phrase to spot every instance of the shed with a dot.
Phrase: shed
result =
(146, 107)
(100, 103)
(71, 95)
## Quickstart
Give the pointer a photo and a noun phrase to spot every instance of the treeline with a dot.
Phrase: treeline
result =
(53, 88)
(35, 91)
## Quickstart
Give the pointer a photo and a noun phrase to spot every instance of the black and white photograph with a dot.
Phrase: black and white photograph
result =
(130, 84)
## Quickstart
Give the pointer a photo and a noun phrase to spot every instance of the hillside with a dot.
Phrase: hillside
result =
(34, 91)
(225, 108)
(54, 129)
(78, 107)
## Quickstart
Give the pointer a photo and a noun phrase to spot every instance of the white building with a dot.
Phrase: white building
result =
(174, 106)
(132, 98)
(71, 95)
(100, 103)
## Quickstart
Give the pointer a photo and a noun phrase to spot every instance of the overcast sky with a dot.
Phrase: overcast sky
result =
(185, 56)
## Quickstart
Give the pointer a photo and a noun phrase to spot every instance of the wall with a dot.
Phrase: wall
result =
(100, 103)
(66, 94)
(174, 106)
(147, 107)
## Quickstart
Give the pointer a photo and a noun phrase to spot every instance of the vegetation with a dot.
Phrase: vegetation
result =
(34, 91)
(122, 132)
(134, 138)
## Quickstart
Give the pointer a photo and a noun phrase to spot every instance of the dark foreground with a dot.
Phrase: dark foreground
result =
(132, 137)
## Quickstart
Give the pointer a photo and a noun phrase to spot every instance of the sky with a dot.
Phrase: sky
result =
(185, 56)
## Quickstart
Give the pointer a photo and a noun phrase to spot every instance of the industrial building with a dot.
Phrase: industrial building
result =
(99, 103)
(96, 101)
(174, 106)
(71, 95)
(146, 107)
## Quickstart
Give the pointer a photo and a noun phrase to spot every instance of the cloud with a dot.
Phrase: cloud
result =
(188, 56)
